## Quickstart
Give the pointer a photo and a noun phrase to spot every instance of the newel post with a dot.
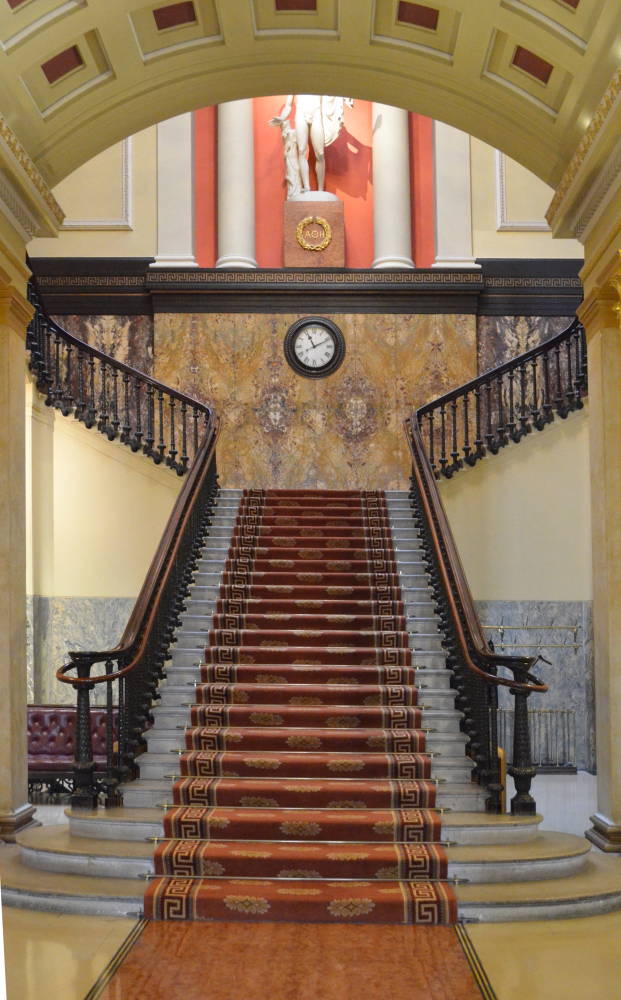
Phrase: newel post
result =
(84, 795)
(522, 770)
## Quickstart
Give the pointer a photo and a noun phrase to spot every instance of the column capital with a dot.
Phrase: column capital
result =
(602, 301)
(599, 311)
(15, 309)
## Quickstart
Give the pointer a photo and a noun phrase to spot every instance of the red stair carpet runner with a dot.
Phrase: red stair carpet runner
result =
(305, 791)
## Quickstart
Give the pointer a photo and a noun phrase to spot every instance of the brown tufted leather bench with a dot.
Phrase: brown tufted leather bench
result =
(51, 737)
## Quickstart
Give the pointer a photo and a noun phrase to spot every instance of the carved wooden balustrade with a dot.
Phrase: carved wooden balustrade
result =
(475, 667)
(506, 403)
(169, 427)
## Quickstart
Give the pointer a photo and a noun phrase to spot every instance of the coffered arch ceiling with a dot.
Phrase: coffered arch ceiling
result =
(523, 75)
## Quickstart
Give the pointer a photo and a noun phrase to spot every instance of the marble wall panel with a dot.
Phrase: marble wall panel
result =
(60, 624)
(282, 430)
(563, 632)
(127, 338)
(500, 338)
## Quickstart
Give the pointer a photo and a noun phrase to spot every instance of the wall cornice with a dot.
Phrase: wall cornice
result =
(593, 175)
(130, 287)
(25, 198)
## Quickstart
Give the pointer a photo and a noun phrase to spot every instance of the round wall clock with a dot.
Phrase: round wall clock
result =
(314, 347)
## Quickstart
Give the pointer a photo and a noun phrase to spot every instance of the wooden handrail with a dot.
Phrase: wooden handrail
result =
(472, 638)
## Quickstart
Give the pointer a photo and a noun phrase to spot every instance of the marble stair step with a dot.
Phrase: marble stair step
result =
(455, 795)
(436, 721)
(56, 892)
(432, 679)
(165, 737)
(463, 828)
(183, 657)
(547, 855)
(183, 695)
(455, 767)
(594, 889)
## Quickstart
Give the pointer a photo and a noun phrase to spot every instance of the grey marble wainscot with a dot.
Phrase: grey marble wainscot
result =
(60, 624)
(569, 675)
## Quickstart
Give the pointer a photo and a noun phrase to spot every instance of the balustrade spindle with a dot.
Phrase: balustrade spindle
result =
(195, 428)
(80, 405)
(48, 363)
(561, 408)
(102, 423)
(470, 459)
(456, 463)
(524, 416)
(489, 435)
(91, 410)
(535, 412)
(113, 796)
(547, 404)
(570, 391)
(432, 457)
(56, 389)
(115, 423)
(443, 458)
(150, 438)
(161, 447)
(137, 438)
(511, 420)
(67, 395)
(172, 451)
(478, 444)
(126, 428)
(184, 438)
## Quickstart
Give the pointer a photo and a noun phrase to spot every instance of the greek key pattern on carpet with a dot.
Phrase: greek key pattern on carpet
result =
(305, 789)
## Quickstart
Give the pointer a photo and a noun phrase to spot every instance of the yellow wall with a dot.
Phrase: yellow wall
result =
(521, 518)
(526, 200)
(93, 194)
(95, 510)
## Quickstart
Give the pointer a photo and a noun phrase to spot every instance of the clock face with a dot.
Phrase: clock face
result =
(314, 347)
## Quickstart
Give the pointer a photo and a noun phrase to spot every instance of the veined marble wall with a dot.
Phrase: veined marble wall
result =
(282, 430)
(129, 339)
(500, 338)
(563, 631)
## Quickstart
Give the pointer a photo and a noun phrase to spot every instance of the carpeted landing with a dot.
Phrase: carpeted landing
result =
(305, 791)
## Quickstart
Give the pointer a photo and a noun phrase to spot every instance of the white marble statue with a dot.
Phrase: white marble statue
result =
(318, 118)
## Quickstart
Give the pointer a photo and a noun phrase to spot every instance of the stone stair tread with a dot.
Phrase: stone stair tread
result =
(600, 877)
(60, 840)
(17, 876)
(545, 845)
(482, 819)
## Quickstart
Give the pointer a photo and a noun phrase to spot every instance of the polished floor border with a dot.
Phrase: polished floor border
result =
(116, 961)
(476, 967)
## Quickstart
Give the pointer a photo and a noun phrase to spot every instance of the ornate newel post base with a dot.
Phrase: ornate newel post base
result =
(522, 769)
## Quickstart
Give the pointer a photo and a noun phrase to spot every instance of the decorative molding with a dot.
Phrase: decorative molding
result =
(597, 124)
(125, 222)
(598, 196)
(29, 185)
(503, 223)
(100, 286)
(13, 206)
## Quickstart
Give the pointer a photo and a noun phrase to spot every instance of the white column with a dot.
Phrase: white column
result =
(392, 213)
(236, 225)
(175, 194)
(453, 197)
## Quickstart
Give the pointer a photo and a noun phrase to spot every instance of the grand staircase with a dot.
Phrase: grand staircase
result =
(304, 694)
(313, 773)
